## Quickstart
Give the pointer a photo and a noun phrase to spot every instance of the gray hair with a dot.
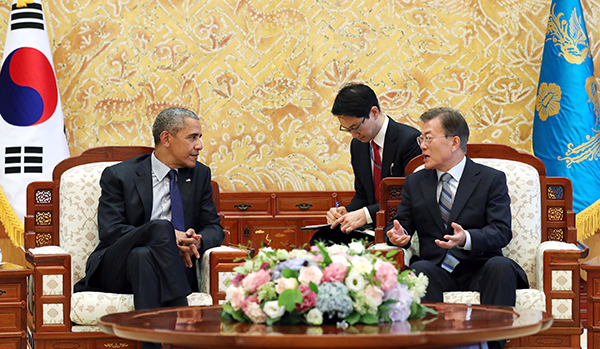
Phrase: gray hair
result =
(453, 123)
(171, 120)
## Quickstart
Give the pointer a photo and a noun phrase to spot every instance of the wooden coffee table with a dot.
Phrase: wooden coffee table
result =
(201, 327)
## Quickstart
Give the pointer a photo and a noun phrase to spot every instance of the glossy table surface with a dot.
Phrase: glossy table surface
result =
(201, 327)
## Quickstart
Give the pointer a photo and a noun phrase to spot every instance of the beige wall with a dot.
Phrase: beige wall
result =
(262, 74)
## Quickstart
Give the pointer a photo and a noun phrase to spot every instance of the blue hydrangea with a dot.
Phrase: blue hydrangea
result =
(293, 264)
(334, 301)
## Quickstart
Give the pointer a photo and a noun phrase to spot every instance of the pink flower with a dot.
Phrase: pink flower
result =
(249, 300)
(374, 295)
(387, 274)
(309, 299)
(285, 284)
(334, 272)
(254, 280)
(255, 313)
(237, 279)
(314, 248)
(310, 274)
(235, 296)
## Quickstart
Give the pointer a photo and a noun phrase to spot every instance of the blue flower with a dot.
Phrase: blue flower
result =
(334, 300)
(293, 264)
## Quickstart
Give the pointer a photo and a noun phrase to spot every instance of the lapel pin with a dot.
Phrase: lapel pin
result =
(188, 180)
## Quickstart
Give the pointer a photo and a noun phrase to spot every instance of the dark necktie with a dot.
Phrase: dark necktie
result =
(450, 261)
(176, 203)
(445, 198)
(376, 169)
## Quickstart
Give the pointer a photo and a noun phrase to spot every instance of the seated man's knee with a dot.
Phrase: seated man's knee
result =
(423, 266)
(139, 256)
(160, 231)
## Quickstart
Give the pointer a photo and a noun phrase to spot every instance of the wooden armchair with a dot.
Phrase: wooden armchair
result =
(544, 240)
(61, 231)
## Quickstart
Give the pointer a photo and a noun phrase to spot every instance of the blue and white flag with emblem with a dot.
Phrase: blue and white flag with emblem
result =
(33, 140)
(566, 127)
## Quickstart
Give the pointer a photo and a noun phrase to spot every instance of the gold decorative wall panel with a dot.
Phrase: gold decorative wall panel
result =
(262, 75)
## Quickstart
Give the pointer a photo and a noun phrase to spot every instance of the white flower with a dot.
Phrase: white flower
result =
(361, 264)
(248, 265)
(356, 247)
(282, 254)
(296, 253)
(266, 249)
(419, 288)
(286, 284)
(273, 309)
(340, 258)
(355, 281)
(333, 249)
(314, 317)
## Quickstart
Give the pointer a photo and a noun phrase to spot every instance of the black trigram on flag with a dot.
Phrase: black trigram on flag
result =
(23, 160)
(30, 17)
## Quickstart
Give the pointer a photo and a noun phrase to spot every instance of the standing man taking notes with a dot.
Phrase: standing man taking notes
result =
(380, 148)
(156, 216)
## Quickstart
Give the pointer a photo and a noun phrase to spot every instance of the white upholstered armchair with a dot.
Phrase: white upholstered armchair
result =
(544, 240)
(60, 233)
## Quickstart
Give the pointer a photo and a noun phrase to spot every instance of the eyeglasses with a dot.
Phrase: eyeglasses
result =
(427, 140)
(354, 129)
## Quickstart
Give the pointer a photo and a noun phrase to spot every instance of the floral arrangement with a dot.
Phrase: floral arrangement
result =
(339, 283)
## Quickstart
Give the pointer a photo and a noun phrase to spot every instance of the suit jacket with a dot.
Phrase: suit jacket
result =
(481, 206)
(125, 205)
(400, 146)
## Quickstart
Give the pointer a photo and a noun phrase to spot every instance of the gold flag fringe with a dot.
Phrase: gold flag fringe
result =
(588, 221)
(12, 224)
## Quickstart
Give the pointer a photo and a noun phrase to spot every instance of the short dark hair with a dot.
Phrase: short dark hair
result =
(171, 120)
(453, 123)
(355, 100)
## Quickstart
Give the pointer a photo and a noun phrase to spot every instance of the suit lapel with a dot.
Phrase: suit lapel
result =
(468, 182)
(390, 148)
(365, 169)
(184, 180)
(429, 188)
(143, 184)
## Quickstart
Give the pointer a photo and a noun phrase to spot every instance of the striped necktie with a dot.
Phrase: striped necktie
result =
(450, 261)
(445, 198)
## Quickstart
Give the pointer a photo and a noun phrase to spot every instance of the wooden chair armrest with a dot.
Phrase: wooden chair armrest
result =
(54, 267)
(585, 251)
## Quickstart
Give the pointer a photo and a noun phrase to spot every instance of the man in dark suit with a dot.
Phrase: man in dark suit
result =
(461, 211)
(156, 216)
(381, 147)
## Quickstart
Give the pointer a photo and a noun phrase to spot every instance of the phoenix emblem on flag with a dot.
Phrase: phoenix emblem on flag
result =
(590, 149)
(568, 36)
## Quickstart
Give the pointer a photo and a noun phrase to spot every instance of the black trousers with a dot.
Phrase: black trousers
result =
(146, 262)
(496, 280)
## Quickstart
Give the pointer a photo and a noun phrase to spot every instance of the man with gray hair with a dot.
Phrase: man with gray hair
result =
(461, 213)
(156, 216)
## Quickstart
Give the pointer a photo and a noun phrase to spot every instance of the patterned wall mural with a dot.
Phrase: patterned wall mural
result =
(262, 75)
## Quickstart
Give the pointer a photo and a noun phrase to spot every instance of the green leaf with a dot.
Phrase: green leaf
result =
(289, 273)
(228, 308)
(289, 298)
(417, 311)
(326, 258)
(352, 318)
(391, 253)
(240, 269)
(369, 319)
(313, 287)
